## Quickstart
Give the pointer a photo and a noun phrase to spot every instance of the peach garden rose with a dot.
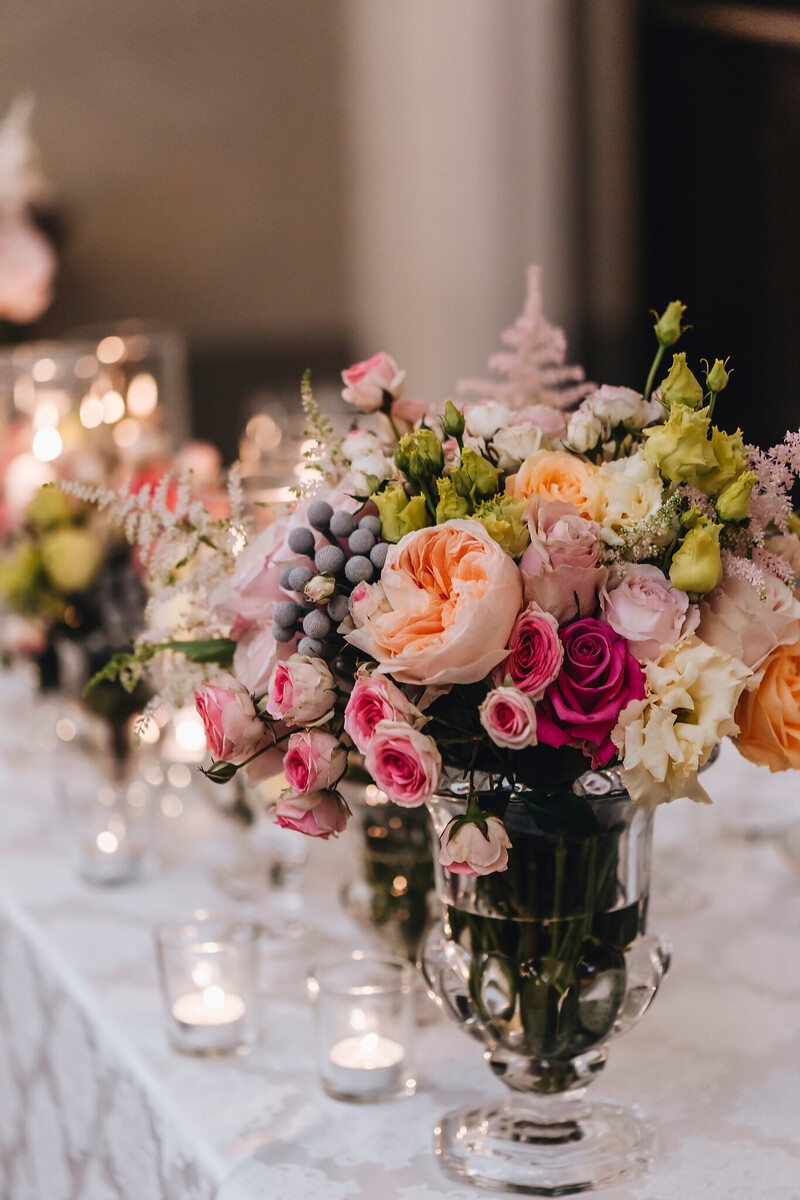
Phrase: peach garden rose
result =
(553, 475)
(769, 717)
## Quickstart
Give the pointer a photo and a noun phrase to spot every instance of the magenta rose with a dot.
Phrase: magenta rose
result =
(599, 676)
(319, 814)
(375, 698)
(233, 730)
(534, 652)
(509, 718)
(313, 760)
(467, 850)
(560, 565)
(365, 382)
(404, 763)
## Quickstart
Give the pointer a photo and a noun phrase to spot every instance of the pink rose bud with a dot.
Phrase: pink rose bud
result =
(509, 718)
(365, 382)
(233, 730)
(375, 698)
(467, 850)
(403, 762)
(535, 652)
(313, 760)
(301, 691)
(319, 814)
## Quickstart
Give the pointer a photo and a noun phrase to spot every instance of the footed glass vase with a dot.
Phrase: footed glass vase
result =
(545, 963)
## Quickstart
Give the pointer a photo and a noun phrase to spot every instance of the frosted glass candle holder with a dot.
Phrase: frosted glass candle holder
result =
(364, 1027)
(208, 971)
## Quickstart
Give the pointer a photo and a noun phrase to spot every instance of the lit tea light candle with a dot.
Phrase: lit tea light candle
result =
(212, 1006)
(365, 1065)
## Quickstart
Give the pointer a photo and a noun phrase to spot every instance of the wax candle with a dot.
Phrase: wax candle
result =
(370, 1064)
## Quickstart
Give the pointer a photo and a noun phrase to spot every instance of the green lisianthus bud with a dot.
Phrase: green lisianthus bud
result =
(697, 563)
(729, 460)
(401, 460)
(503, 520)
(453, 421)
(48, 508)
(668, 326)
(717, 378)
(414, 515)
(475, 476)
(398, 514)
(680, 386)
(691, 517)
(733, 503)
(451, 506)
(71, 559)
(424, 452)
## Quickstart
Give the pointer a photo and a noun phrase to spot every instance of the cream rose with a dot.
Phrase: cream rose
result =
(622, 492)
(453, 596)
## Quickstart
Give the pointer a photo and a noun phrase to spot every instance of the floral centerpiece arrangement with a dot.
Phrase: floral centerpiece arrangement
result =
(539, 612)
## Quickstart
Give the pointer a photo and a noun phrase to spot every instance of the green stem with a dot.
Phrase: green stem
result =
(431, 507)
(648, 387)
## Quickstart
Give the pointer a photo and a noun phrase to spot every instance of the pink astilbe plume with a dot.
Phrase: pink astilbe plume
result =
(535, 368)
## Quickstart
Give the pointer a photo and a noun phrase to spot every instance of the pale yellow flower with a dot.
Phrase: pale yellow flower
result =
(622, 492)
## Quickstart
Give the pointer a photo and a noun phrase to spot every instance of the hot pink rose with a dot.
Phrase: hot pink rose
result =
(375, 698)
(404, 763)
(645, 609)
(509, 718)
(27, 269)
(365, 382)
(301, 691)
(560, 565)
(467, 850)
(319, 814)
(233, 730)
(598, 678)
(313, 760)
(534, 652)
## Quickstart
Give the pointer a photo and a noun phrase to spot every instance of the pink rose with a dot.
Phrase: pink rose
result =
(450, 596)
(319, 814)
(551, 421)
(313, 760)
(365, 382)
(534, 652)
(598, 678)
(645, 609)
(404, 763)
(410, 411)
(301, 691)
(27, 270)
(374, 698)
(251, 590)
(233, 730)
(560, 565)
(467, 850)
(509, 718)
(735, 619)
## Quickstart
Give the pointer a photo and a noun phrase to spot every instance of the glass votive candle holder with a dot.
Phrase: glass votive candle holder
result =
(208, 972)
(364, 1027)
(111, 825)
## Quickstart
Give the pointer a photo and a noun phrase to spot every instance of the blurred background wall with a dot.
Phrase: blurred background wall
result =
(297, 184)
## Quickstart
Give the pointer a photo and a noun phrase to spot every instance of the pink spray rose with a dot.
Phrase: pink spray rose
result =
(535, 652)
(598, 678)
(560, 565)
(27, 269)
(509, 718)
(734, 618)
(404, 763)
(643, 607)
(365, 382)
(301, 691)
(375, 698)
(313, 760)
(467, 850)
(319, 814)
(233, 730)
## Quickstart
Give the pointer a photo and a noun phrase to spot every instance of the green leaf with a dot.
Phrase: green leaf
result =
(561, 813)
(212, 650)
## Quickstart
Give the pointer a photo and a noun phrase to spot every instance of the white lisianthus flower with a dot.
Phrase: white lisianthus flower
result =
(585, 430)
(369, 472)
(484, 419)
(359, 443)
(621, 406)
(515, 443)
(622, 492)
(692, 693)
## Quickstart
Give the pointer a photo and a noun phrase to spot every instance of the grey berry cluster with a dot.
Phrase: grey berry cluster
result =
(323, 587)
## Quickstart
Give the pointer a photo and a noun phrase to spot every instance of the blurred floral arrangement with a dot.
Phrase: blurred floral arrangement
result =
(554, 581)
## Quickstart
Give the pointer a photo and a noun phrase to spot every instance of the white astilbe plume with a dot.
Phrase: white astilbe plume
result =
(535, 368)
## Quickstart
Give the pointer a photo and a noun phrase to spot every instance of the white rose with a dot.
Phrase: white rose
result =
(584, 430)
(359, 443)
(515, 443)
(483, 420)
(622, 492)
(364, 471)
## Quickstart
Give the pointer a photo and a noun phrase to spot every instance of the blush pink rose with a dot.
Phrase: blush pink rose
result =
(301, 691)
(450, 596)
(27, 269)
(467, 850)
(234, 731)
(410, 411)
(313, 760)
(403, 762)
(365, 382)
(735, 618)
(250, 592)
(319, 814)
(599, 677)
(535, 652)
(509, 718)
(551, 421)
(560, 565)
(645, 609)
(375, 698)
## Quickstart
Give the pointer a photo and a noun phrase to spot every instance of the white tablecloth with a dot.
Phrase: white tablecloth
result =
(95, 1106)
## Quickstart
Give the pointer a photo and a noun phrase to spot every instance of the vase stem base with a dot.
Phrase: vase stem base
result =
(507, 1145)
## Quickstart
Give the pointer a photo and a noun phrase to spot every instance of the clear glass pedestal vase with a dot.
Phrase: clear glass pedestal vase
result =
(545, 963)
